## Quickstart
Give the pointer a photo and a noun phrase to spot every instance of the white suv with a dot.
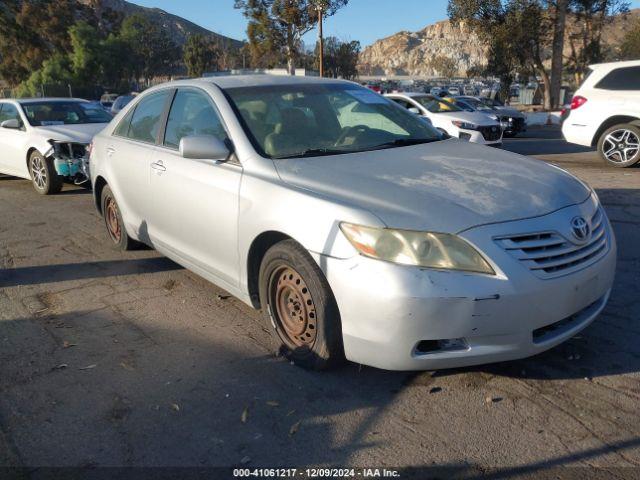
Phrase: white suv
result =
(605, 112)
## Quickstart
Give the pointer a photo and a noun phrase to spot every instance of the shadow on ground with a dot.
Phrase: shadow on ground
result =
(542, 141)
(22, 276)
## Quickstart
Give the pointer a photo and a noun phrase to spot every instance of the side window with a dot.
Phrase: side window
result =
(402, 103)
(9, 112)
(192, 113)
(145, 122)
(123, 127)
(624, 79)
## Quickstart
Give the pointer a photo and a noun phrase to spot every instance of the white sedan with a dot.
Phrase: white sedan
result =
(45, 140)
(475, 127)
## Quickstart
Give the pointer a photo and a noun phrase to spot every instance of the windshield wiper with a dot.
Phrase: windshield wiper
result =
(404, 142)
(314, 152)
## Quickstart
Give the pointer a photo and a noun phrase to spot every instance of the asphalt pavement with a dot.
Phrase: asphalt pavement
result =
(126, 359)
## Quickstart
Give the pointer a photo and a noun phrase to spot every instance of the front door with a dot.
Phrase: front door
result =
(13, 160)
(194, 213)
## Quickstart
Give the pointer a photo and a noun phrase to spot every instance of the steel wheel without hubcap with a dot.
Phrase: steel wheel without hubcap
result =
(39, 172)
(621, 146)
(111, 219)
(295, 311)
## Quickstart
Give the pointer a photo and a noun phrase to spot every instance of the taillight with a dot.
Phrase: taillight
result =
(577, 102)
(89, 149)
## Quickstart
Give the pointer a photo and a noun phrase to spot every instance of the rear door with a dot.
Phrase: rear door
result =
(195, 202)
(13, 158)
(129, 153)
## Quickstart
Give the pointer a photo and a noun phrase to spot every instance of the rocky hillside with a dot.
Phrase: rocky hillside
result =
(421, 53)
(179, 28)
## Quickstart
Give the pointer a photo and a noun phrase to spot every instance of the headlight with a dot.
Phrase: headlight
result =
(423, 249)
(465, 125)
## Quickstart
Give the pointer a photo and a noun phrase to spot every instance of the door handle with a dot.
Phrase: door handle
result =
(159, 166)
(110, 151)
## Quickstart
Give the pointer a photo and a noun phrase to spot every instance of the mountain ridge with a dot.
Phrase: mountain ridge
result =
(179, 28)
(411, 53)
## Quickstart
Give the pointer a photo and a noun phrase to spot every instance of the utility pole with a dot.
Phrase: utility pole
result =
(319, 8)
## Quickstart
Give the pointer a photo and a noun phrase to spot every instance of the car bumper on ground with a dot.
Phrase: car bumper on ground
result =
(407, 318)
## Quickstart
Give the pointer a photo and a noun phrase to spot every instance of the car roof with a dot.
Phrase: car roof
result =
(26, 101)
(612, 65)
(233, 81)
(412, 94)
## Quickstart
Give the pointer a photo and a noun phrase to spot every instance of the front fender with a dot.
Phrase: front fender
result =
(269, 205)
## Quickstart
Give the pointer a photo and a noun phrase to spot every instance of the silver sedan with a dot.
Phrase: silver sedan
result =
(358, 229)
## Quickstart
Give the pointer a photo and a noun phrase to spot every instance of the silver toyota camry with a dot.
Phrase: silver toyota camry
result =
(358, 229)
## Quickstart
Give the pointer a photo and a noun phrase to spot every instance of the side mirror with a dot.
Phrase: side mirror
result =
(12, 123)
(414, 110)
(204, 147)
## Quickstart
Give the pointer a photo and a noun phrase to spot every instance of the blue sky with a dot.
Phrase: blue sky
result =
(364, 20)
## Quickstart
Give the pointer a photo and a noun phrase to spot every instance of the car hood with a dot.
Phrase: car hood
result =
(447, 186)
(512, 112)
(82, 133)
(477, 118)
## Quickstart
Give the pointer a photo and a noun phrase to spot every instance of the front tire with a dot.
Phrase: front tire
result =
(619, 145)
(44, 177)
(114, 223)
(299, 307)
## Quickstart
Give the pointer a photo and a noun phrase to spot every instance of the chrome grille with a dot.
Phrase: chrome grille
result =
(549, 254)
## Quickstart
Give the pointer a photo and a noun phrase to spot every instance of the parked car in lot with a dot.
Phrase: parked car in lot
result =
(107, 99)
(475, 127)
(45, 140)
(121, 102)
(373, 238)
(453, 91)
(605, 113)
(511, 120)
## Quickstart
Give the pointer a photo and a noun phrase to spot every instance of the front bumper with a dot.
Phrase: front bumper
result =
(481, 137)
(70, 160)
(387, 310)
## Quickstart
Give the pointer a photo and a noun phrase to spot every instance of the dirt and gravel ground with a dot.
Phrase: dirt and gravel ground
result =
(111, 359)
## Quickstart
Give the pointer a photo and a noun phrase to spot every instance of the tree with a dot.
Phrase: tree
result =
(56, 70)
(630, 46)
(517, 34)
(495, 25)
(32, 31)
(340, 58)
(276, 27)
(86, 53)
(557, 60)
(153, 50)
(590, 17)
(199, 55)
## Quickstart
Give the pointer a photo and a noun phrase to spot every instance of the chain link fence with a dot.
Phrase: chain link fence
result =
(88, 92)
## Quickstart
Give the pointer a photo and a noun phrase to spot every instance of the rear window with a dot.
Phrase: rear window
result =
(627, 78)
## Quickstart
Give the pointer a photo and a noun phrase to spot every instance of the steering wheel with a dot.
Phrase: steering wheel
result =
(355, 130)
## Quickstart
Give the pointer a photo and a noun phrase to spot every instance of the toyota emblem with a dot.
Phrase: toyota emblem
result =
(580, 228)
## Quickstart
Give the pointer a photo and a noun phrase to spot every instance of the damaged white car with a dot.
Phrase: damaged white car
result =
(45, 140)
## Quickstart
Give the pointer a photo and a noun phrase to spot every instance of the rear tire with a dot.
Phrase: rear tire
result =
(619, 145)
(114, 223)
(299, 307)
(44, 177)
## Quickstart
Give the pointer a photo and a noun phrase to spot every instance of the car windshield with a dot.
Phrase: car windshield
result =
(43, 114)
(436, 105)
(477, 104)
(290, 121)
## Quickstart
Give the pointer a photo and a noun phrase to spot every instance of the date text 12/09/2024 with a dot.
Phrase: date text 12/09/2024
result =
(315, 473)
